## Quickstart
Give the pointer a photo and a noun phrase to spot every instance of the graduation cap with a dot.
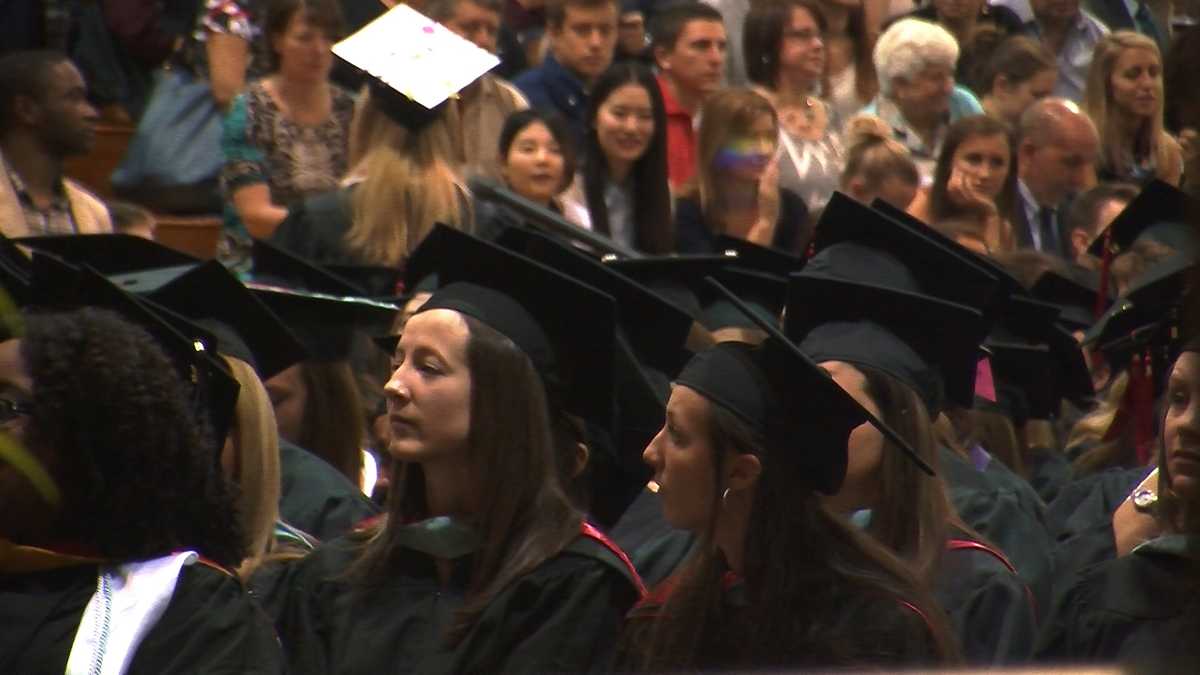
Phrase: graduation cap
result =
(567, 328)
(758, 258)
(1150, 299)
(656, 328)
(797, 408)
(413, 63)
(1074, 294)
(323, 310)
(929, 344)
(109, 253)
(1027, 369)
(60, 285)
(377, 281)
(677, 278)
(937, 268)
(1159, 212)
(210, 295)
(15, 271)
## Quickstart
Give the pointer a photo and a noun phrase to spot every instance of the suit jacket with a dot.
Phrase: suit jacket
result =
(1116, 16)
(1024, 229)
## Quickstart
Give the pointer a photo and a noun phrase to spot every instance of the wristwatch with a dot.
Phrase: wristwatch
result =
(1144, 500)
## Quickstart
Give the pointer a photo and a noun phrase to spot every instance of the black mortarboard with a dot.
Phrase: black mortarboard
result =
(210, 295)
(567, 328)
(764, 293)
(676, 278)
(929, 344)
(800, 412)
(1149, 299)
(377, 281)
(57, 284)
(322, 309)
(15, 271)
(413, 64)
(1030, 370)
(939, 269)
(109, 253)
(758, 258)
(1161, 212)
(1073, 293)
(657, 329)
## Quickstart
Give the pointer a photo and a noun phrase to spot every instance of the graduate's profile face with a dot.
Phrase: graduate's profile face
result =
(681, 456)
(1181, 427)
(429, 393)
(20, 503)
(865, 447)
(289, 399)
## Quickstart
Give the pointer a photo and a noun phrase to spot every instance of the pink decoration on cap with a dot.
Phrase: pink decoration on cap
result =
(985, 386)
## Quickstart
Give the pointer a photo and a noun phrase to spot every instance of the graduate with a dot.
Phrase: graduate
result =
(873, 341)
(482, 563)
(753, 436)
(117, 530)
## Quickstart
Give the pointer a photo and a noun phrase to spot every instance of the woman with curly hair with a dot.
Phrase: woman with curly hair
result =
(117, 528)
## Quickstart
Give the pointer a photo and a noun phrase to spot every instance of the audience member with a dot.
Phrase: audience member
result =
(45, 118)
(484, 104)
(1056, 157)
(917, 94)
(537, 162)
(1124, 98)
(878, 166)
(1090, 213)
(633, 42)
(785, 53)
(582, 37)
(964, 18)
(623, 174)
(1133, 15)
(689, 43)
(1019, 72)
(285, 138)
(1070, 34)
(850, 49)
(227, 47)
(736, 189)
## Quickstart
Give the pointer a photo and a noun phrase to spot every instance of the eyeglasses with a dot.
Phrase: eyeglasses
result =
(10, 409)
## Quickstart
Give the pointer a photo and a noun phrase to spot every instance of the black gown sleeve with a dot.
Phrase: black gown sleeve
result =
(315, 497)
(210, 626)
(990, 607)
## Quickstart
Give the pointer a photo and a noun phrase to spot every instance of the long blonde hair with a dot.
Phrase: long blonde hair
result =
(407, 183)
(1097, 101)
(256, 442)
(726, 114)
(1091, 429)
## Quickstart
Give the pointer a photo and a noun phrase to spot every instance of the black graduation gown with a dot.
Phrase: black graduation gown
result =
(990, 607)
(315, 497)
(1091, 500)
(1140, 610)
(1049, 472)
(209, 626)
(315, 228)
(1011, 517)
(564, 616)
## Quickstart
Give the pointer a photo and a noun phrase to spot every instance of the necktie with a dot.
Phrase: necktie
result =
(1046, 231)
(1145, 22)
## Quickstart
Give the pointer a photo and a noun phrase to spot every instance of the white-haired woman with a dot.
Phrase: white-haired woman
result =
(915, 62)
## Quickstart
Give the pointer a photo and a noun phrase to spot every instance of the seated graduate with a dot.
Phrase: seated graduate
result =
(1142, 609)
(482, 564)
(117, 529)
(752, 435)
(863, 335)
(403, 148)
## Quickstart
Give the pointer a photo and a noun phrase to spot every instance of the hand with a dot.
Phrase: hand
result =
(961, 191)
(763, 230)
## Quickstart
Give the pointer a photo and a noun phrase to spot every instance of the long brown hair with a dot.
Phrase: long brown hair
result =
(762, 37)
(803, 567)
(524, 518)
(1149, 141)
(333, 427)
(407, 183)
(726, 114)
(974, 126)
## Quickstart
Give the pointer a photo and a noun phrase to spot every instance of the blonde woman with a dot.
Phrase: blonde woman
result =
(400, 183)
(1124, 97)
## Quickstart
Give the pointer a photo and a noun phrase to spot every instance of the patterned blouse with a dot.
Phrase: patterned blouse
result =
(261, 145)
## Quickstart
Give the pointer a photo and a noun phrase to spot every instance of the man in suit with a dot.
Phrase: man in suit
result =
(1134, 15)
(1056, 159)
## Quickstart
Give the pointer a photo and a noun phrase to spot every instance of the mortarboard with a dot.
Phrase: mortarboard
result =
(1074, 293)
(413, 63)
(1029, 370)
(323, 310)
(758, 258)
(566, 328)
(939, 269)
(109, 253)
(60, 285)
(656, 328)
(674, 277)
(1160, 212)
(210, 295)
(376, 280)
(929, 344)
(799, 411)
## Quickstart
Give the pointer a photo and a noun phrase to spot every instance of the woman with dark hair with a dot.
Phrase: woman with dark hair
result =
(975, 177)
(318, 406)
(1141, 609)
(102, 528)
(624, 167)
(786, 61)
(1016, 73)
(286, 136)
(736, 190)
(849, 40)
(752, 435)
(537, 157)
(481, 564)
